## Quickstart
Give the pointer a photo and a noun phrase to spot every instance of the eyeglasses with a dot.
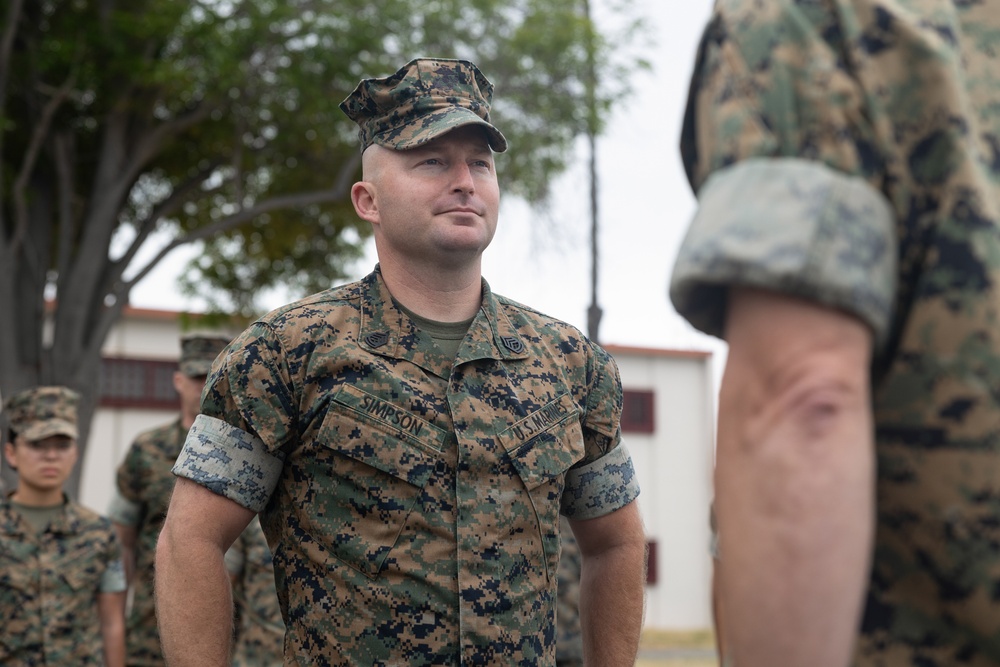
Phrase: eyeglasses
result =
(59, 446)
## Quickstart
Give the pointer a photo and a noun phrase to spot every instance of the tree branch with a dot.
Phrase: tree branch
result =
(31, 157)
(167, 207)
(6, 48)
(287, 201)
(150, 146)
(64, 199)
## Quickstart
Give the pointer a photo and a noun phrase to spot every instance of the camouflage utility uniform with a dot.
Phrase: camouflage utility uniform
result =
(412, 498)
(145, 483)
(849, 153)
(49, 582)
(261, 632)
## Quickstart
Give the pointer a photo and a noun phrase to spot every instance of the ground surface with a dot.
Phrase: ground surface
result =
(677, 649)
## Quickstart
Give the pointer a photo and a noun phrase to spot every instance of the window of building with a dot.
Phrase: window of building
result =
(138, 383)
(637, 411)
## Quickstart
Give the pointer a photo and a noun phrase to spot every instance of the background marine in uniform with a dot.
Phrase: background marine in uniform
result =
(62, 584)
(143, 491)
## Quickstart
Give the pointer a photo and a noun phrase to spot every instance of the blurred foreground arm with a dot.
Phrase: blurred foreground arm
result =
(612, 585)
(794, 481)
(194, 606)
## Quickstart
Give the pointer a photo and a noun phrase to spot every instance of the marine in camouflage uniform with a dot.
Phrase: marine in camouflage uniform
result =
(60, 565)
(260, 633)
(144, 485)
(848, 153)
(411, 490)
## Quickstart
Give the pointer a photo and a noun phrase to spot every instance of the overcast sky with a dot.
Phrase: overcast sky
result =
(645, 206)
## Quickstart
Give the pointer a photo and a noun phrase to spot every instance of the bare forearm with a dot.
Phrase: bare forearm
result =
(114, 646)
(611, 605)
(194, 605)
(794, 496)
(793, 567)
(794, 481)
(111, 610)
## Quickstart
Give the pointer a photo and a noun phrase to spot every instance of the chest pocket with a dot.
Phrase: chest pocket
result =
(366, 474)
(546, 443)
(542, 447)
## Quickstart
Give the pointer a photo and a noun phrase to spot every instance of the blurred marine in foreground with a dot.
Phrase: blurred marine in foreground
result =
(846, 157)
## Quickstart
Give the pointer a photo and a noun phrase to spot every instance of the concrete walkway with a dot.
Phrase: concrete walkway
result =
(677, 653)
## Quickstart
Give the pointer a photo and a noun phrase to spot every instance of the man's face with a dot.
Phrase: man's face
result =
(42, 465)
(437, 203)
(189, 389)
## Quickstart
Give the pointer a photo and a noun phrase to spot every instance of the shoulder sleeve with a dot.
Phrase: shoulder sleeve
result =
(250, 388)
(113, 577)
(779, 145)
(605, 479)
(129, 479)
(124, 511)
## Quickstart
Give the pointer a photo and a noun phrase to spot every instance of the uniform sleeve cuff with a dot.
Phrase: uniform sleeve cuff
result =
(792, 226)
(229, 462)
(601, 486)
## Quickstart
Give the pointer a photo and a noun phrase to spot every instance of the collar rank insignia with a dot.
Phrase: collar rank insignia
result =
(512, 343)
(377, 339)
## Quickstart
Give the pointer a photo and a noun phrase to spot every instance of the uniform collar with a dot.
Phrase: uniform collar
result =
(387, 331)
(66, 523)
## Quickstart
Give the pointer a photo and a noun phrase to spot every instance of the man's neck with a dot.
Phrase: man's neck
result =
(439, 295)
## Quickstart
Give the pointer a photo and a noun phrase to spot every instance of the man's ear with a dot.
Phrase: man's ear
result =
(10, 454)
(365, 202)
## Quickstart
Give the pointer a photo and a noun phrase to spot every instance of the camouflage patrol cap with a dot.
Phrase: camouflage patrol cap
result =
(424, 99)
(198, 352)
(40, 412)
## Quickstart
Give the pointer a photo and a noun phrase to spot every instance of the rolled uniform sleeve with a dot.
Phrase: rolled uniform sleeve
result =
(605, 480)
(778, 145)
(229, 462)
(234, 448)
(791, 226)
(113, 578)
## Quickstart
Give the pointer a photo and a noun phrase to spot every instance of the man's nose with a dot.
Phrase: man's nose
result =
(462, 180)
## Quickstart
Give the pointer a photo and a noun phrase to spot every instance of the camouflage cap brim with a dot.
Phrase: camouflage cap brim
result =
(196, 367)
(434, 124)
(40, 430)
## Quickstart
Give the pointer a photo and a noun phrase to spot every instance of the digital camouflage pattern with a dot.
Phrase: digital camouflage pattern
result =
(425, 98)
(261, 632)
(49, 583)
(569, 632)
(415, 517)
(895, 105)
(145, 481)
(40, 412)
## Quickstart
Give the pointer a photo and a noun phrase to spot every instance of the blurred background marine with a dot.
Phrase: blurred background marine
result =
(62, 581)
